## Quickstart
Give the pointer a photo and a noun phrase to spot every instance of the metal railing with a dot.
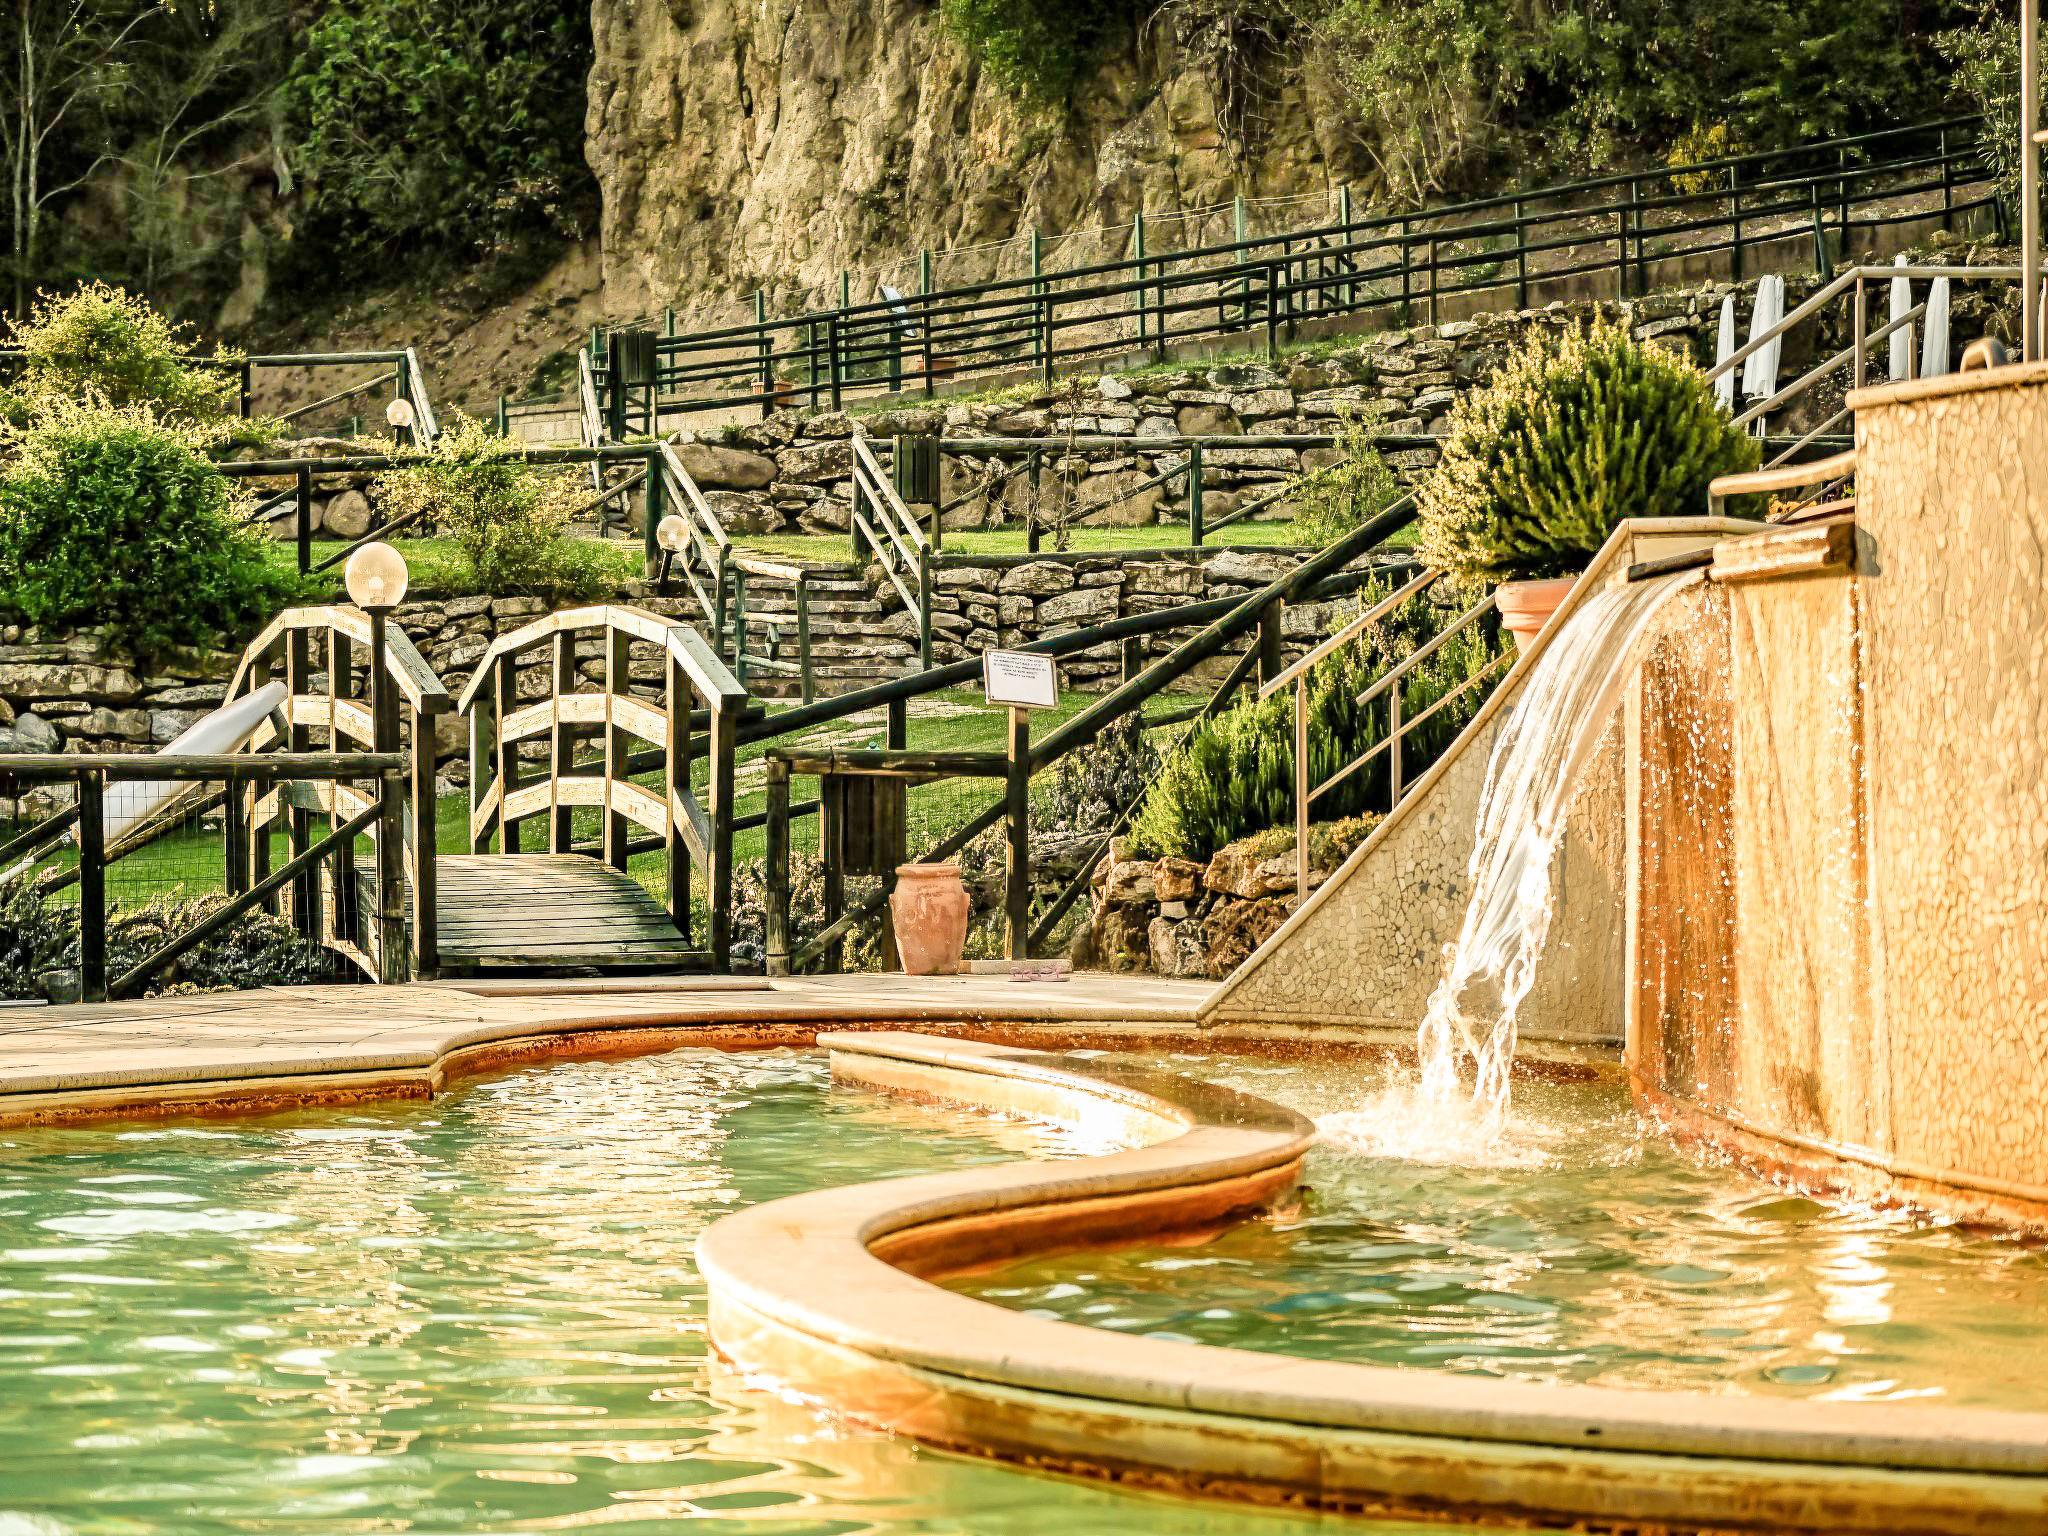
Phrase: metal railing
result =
(1852, 285)
(1222, 622)
(1636, 227)
(1387, 686)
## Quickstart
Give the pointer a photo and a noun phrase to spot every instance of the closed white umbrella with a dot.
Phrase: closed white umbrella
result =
(1934, 345)
(1760, 372)
(1724, 348)
(1902, 338)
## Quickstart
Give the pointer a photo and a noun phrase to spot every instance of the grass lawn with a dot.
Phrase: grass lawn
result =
(437, 571)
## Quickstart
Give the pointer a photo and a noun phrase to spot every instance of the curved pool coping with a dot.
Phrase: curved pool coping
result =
(830, 1294)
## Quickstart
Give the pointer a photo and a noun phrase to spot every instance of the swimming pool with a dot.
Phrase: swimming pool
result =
(478, 1314)
(1584, 1248)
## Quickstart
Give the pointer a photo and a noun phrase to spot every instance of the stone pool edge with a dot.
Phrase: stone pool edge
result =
(825, 1294)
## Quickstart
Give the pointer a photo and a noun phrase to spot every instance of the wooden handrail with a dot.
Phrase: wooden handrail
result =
(418, 681)
(711, 676)
(1792, 477)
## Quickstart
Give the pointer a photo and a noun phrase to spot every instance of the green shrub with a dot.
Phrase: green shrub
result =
(100, 342)
(1234, 775)
(39, 936)
(1038, 49)
(506, 519)
(452, 128)
(110, 516)
(1986, 61)
(1573, 434)
(1332, 501)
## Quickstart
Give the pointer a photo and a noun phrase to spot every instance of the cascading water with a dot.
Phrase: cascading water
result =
(1547, 739)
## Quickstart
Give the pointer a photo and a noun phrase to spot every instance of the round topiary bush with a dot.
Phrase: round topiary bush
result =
(113, 517)
(1573, 434)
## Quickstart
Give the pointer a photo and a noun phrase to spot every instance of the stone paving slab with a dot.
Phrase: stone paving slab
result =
(402, 1035)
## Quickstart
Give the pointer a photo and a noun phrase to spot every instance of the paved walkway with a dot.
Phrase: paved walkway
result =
(275, 1046)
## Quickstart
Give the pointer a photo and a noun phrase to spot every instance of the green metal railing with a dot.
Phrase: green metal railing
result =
(1629, 227)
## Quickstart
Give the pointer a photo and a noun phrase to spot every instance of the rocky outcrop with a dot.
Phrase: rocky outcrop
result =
(743, 143)
(1176, 917)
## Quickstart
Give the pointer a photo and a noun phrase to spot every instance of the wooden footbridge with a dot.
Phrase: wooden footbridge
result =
(610, 727)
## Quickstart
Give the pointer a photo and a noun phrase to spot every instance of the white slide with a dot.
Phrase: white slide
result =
(228, 729)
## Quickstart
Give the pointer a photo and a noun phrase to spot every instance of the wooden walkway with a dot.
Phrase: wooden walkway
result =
(557, 911)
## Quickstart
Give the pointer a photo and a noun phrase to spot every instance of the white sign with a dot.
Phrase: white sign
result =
(1019, 678)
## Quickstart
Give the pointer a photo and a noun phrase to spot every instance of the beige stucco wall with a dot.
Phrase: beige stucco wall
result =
(1840, 928)
(1367, 948)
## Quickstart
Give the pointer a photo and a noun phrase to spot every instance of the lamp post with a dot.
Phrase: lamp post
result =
(672, 534)
(399, 416)
(376, 581)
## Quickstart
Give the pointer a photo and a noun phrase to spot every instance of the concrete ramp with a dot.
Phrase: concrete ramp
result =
(1366, 949)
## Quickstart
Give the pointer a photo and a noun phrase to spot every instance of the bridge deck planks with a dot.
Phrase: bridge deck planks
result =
(554, 910)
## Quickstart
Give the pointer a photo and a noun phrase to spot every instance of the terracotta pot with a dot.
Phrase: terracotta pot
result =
(930, 907)
(1526, 606)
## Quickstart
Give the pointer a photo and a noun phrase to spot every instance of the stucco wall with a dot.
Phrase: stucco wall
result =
(1841, 928)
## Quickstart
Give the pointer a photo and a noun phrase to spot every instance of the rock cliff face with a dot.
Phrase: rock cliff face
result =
(738, 142)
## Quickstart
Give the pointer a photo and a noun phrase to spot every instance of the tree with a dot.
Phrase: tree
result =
(64, 60)
(206, 77)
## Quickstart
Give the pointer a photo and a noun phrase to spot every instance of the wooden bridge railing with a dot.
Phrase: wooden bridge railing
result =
(351, 683)
(684, 704)
(883, 526)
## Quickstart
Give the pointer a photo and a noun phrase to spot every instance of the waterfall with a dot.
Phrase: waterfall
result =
(1543, 746)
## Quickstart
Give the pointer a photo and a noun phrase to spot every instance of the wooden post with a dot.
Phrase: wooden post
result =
(831, 825)
(833, 360)
(298, 820)
(92, 887)
(426, 885)
(1273, 311)
(1195, 530)
(650, 513)
(483, 760)
(1046, 341)
(1036, 472)
(1521, 257)
(1138, 294)
(259, 839)
(506, 683)
(1948, 192)
(676, 789)
(342, 870)
(561, 747)
(234, 836)
(766, 353)
(304, 531)
(504, 422)
(618, 831)
(893, 835)
(723, 743)
(1272, 660)
(1017, 807)
(739, 625)
(392, 954)
(775, 957)
(1130, 658)
(1735, 221)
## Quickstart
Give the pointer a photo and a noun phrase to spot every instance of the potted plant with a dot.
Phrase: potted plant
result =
(1576, 431)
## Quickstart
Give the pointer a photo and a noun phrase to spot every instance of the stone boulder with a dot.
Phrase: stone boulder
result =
(30, 733)
(716, 467)
(1042, 578)
(1127, 882)
(1207, 421)
(1239, 870)
(1116, 500)
(346, 516)
(1233, 930)
(1177, 879)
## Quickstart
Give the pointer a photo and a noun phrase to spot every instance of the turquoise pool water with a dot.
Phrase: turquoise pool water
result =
(478, 1315)
(1582, 1249)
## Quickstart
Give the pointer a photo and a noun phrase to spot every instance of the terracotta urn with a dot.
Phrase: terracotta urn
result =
(1526, 606)
(930, 907)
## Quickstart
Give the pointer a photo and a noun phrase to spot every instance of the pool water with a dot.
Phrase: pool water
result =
(475, 1315)
(1582, 1249)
